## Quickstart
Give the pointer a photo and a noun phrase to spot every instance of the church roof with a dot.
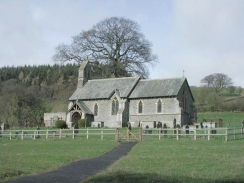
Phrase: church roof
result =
(157, 88)
(102, 88)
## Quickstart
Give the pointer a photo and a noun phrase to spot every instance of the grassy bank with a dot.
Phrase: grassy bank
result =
(178, 161)
(230, 119)
(23, 157)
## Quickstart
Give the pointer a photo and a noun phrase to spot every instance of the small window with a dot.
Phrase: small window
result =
(95, 109)
(140, 107)
(115, 106)
(159, 106)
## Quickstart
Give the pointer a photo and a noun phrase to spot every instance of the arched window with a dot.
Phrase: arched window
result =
(95, 109)
(115, 106)
(140, 107)
(159, 106)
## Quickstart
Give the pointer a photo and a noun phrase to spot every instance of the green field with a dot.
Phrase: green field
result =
(28, 156)
(229, 119)
(178, 161)
(153, 160)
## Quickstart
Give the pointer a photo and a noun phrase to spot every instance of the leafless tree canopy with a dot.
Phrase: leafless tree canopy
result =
(217, 81)
(114, 42)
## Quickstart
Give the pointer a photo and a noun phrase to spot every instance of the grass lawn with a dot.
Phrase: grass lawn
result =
(178, 161)
(230, 119)
(28, 156)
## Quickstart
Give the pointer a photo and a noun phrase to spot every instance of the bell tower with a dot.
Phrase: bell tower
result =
(84, 73)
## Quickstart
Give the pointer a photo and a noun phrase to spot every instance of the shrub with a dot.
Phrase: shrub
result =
(81, 123)
(60, 124)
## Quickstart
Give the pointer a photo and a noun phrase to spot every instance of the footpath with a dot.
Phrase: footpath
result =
(80, 170)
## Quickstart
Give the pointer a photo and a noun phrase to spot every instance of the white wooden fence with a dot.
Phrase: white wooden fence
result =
(138, 134)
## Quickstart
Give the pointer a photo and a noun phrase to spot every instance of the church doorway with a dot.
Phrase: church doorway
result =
(75, 118)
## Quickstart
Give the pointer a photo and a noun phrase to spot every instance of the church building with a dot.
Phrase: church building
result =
(114, 102)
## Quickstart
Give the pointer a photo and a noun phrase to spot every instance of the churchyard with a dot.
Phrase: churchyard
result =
(164, 160)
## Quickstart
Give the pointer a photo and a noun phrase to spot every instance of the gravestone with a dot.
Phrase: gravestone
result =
(76, 127)
(178, 126)
(147, 131)
(159, 125)
(165, 131)
(175, 130)
(187, 129)
(37, 132)
(129, 126)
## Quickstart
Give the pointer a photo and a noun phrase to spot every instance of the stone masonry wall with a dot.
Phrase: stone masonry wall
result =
(170, 111)
(105, 114)
(51, 118)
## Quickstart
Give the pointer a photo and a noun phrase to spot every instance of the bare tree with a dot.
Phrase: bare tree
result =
(114, 42)
(217, 81)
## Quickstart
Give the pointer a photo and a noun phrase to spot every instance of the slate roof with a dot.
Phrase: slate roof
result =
(104, 88)
(157, 88)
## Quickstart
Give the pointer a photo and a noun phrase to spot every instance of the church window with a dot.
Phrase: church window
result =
(159, 106)
(115, 106)
(140, 107)
(95, 109)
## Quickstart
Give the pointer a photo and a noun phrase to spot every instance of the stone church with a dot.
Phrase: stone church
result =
(114, 102)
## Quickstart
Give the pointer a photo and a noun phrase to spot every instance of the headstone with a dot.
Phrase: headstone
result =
(178, 126)
(147, 131)
(76, 127)
(187, 129)
(165, 131)
(37, 132)
(175, 130)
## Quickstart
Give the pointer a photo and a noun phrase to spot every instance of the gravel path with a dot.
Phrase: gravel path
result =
(79, 170)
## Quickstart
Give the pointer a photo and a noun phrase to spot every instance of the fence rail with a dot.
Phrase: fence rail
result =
(138, 134)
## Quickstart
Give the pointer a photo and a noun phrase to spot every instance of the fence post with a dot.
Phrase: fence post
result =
(208, 134)
(117, 134)
(140, 134)
(102, 134)
(10, 135)
(195, 134)
(242, 132)
(60, 131)
(73, 133)
(47, 134)
(34, 134)
(22, 135)
(226, 135)
(177, 134)
(159, 133)
(87, 133)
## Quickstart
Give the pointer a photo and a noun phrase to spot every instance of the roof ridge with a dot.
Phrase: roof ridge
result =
(112, 78)
(163, 78)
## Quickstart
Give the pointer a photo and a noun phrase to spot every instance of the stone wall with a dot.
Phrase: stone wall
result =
(170, 111)
(189, 113)
(51, 118)
(105, 112)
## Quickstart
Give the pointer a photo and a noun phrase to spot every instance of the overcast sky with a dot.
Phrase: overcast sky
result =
(201, 37)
